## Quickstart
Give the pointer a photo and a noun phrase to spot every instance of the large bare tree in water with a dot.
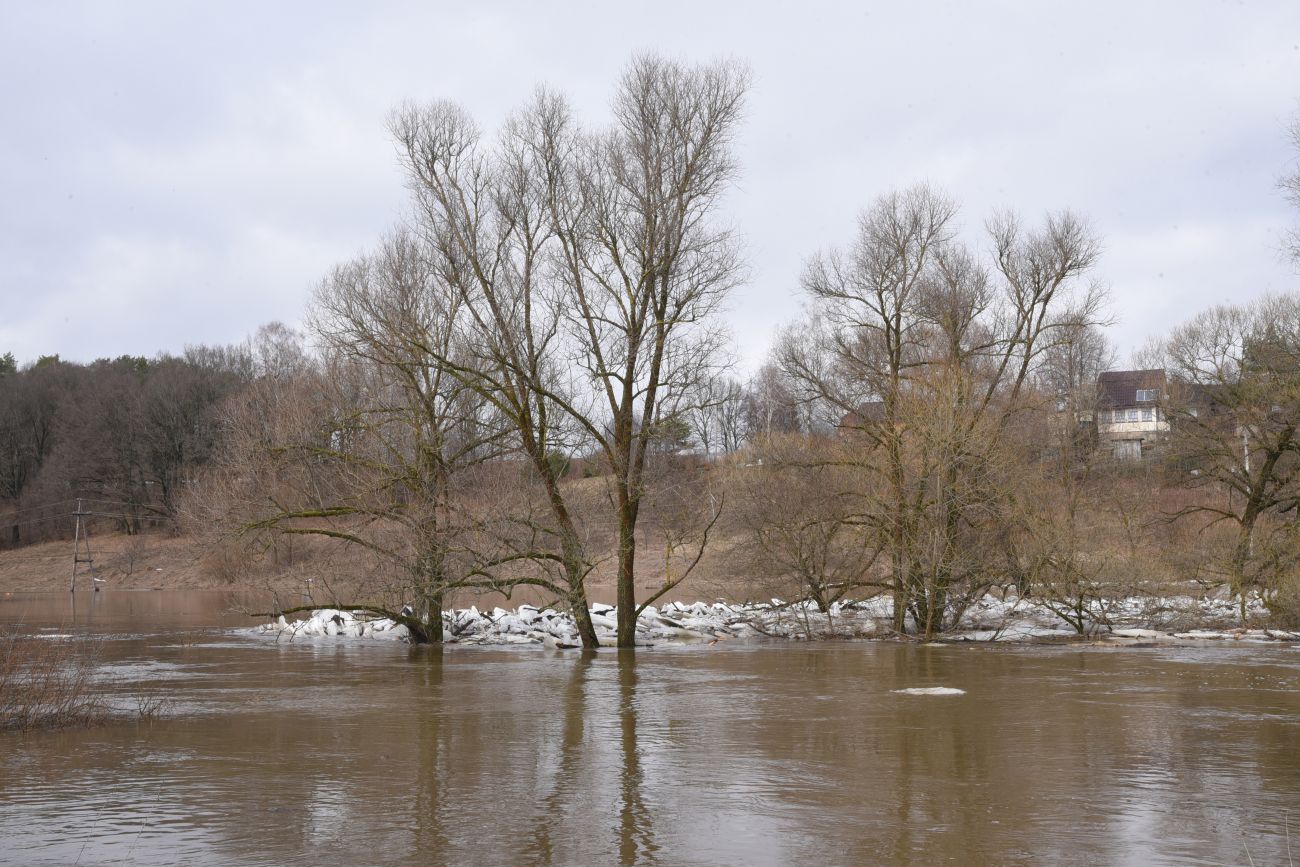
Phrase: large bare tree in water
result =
(589, 264)
(373, 444)
(928, 353)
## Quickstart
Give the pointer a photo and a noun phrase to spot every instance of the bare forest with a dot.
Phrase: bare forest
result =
(525, 387)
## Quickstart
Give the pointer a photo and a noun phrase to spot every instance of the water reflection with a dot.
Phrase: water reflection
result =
(430, 799)
(635, 837)
(546, 835)
(312, 752)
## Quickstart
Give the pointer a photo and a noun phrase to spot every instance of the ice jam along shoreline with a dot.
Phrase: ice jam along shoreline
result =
(1176, 619)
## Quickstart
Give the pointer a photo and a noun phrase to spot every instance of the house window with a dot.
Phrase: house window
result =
(1148, 394)
(1148, 414)
(1133, 415)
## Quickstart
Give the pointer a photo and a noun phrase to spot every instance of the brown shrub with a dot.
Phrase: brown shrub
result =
(45, 683)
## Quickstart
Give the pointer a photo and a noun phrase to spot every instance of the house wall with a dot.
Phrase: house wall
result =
(1128, 440)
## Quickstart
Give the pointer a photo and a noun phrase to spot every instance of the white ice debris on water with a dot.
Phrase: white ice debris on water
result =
(995, 617)
(674, 622)
(331, 622)
(931, 690)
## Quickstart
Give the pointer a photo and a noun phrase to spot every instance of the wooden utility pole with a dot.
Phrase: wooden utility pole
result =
(80, 534)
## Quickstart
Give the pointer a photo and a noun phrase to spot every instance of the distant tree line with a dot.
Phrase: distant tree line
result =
(126, 434)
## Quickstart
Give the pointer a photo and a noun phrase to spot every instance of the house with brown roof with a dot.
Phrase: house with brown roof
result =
(1130, 416)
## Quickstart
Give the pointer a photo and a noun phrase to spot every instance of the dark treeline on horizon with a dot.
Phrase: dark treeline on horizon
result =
(125, 434)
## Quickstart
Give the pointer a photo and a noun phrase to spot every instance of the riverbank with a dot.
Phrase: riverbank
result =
(1136, 620)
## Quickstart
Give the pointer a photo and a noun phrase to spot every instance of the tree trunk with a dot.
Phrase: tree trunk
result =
(433, 617)
(1240, 556)
(626, 578)
(900, 591)
(432, 578)
(582, 616)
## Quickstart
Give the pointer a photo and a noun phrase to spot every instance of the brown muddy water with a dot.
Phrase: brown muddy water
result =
(343, 752)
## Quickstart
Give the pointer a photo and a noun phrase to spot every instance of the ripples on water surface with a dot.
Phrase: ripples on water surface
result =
(341, 752)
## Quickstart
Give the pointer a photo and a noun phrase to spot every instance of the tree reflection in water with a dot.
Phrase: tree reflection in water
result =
(635, 835)
(551, 818)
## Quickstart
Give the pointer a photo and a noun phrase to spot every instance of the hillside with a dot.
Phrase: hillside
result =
(164, 561)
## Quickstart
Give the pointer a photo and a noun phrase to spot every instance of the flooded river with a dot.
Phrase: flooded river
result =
(342, 752)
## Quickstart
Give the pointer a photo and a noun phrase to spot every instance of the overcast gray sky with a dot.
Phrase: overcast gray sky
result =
(175, 173)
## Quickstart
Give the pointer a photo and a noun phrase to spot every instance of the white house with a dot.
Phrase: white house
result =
(1129, 414)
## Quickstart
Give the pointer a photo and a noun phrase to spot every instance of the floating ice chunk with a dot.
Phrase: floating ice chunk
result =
(507, 623)
(931, 690)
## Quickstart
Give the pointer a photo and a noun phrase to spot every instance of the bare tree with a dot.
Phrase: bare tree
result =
(590, 265)
(933, 354)
(1078, 353)
(484, 218)
(1061, 552)
(771, 407)
(717, 419)
(379, 458)
(1234, 410)
(800, 510)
